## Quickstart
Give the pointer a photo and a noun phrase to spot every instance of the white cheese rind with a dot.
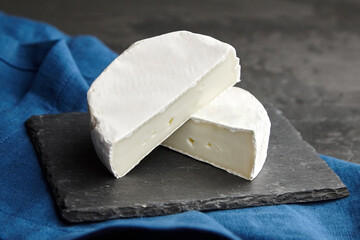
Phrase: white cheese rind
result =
(231, 133)
(151, 90)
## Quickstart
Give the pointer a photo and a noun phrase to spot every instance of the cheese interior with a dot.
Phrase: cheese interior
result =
(216, 145)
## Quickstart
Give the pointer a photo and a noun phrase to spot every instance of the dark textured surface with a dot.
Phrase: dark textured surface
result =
(301, 55)
(167, 182)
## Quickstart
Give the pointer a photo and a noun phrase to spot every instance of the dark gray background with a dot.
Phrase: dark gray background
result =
(302, 55)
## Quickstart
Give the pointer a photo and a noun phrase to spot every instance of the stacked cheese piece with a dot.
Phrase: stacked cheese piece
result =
(177, 87)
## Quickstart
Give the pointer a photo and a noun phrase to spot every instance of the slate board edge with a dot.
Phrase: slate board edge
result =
(71, 215)
(76, 216)
(32, 126)
(270, 105)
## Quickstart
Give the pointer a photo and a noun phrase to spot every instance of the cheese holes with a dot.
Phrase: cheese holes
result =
(190, 141)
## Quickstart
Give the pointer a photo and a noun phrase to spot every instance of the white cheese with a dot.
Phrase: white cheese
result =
(231, 133)
(151, 89)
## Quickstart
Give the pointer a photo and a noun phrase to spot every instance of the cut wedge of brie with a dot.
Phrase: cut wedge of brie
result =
(231, 133)
(151, 89)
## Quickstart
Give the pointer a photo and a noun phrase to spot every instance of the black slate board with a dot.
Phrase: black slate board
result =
(167, 182)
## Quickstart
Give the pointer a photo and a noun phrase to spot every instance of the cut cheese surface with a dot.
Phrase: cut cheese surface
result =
(151, 89)
(231, 133)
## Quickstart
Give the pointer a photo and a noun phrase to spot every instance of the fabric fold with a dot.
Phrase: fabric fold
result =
(57, 86)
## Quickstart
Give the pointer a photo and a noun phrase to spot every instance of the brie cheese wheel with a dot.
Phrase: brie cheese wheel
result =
(231, 133)
(151, 89)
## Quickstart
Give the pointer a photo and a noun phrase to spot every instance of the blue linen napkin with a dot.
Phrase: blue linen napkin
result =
(43, 71)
